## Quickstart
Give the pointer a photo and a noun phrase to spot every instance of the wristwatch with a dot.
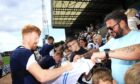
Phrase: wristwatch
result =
(106, 53)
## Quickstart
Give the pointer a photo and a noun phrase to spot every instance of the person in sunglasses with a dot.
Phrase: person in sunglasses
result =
(123, 48)
(117, 25)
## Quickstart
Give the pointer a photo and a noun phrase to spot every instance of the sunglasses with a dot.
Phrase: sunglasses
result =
(111, 28)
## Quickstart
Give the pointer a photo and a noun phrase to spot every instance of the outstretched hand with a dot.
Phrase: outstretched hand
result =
(97, 57)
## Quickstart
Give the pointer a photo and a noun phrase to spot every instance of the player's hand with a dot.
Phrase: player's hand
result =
(98, 57)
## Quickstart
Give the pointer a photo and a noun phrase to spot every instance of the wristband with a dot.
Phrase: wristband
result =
(106, 53)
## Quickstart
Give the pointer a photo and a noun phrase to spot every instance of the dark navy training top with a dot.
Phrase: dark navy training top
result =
(18, 62)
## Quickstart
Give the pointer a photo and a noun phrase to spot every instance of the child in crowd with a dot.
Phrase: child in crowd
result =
(132, 76)
(102, 76)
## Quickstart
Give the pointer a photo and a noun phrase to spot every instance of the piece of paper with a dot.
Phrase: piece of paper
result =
(71, 77)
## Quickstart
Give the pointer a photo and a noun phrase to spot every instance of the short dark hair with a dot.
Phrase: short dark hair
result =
(70, 39)
(84, 39)
(50, 38)
(116, 15)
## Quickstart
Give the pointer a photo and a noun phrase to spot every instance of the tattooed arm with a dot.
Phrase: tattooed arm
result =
(86, 55)
(89, 53)
(127, 53)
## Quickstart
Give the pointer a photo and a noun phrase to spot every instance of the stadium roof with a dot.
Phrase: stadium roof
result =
(79, 13)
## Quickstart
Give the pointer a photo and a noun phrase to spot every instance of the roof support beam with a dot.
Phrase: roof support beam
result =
(79, 10)
(96, 1)
(66, 16)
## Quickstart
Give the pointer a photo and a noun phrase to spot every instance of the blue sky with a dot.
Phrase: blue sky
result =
(14, 14)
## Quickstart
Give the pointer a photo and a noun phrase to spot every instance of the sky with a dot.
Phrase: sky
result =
(14, 14)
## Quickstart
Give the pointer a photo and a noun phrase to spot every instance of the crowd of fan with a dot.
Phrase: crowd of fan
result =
(89, 41)
(84, 42)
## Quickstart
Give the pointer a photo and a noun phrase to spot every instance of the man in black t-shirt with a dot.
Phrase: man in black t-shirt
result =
(74, 46)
